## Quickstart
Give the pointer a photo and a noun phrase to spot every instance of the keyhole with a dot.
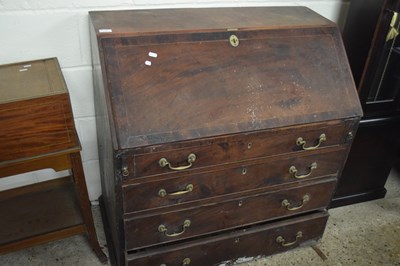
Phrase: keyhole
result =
(244, 171)
(233, 39)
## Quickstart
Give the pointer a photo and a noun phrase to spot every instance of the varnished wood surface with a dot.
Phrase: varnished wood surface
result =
(57, 162)
(38, 132)
(240, 87)
(35, 112)
(31, 79)
(137, 22)
(167, 87)
(236, 148)
(241, 243)
(35, 127)
(43, 214)
(144, 194)
(226, 215)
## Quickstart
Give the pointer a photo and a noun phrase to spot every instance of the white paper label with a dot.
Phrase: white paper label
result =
(147, 63)
(153, 54)
(26, 66)
(105, 30)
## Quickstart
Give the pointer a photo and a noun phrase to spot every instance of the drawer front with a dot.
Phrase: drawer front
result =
(176, 190)
(244, 243)
(172, 226)
(237, 148)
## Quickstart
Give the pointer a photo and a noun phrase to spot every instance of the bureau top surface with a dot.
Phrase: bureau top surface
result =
(203, 19)
(31, 79)
(168, 87)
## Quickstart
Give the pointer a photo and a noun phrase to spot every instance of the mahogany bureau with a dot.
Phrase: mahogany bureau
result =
(222, 132)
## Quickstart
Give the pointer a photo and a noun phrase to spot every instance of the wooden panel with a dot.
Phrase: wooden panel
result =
(255, 175)
(169, 83)
(52, 206)
(244, 243)
(33, 79)
(143, 232)
(57, 162)
(36, 127)
(236, 148)
(306, 64)
(201, 19)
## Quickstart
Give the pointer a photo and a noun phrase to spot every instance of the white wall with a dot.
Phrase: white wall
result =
(32, 29)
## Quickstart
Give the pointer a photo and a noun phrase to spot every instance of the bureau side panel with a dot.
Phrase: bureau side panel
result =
(105, 144)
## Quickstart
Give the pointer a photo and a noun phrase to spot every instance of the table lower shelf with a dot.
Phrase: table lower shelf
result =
(39, 213)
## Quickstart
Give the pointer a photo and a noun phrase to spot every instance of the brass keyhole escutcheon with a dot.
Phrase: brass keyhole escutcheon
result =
(234, 40)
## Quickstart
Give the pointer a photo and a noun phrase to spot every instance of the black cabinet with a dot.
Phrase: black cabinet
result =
(373, 47)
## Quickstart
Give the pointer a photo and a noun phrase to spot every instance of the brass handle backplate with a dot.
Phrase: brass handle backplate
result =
(163, 229)
(282, 241)
(293, 171)
(162, 192)
(301, 142)
(286, 203)
(190, 159)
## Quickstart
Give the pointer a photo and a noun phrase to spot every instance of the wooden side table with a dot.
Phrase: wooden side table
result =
(37, 131)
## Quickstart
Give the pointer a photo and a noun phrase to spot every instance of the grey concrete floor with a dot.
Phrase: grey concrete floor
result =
(361, 234)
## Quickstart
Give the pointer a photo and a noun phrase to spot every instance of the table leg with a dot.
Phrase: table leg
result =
(80, 184)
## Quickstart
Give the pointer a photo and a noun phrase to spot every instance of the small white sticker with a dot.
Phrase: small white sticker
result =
(147, 63)
(153, 54)
(105, 30)
(26, 66)
(23, 69)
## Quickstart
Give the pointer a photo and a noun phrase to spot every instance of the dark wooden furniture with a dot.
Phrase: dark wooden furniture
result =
(218, 129)
(375, 62)
(38, 132)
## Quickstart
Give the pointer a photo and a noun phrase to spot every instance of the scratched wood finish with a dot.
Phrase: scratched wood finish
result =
(168, 83)
(144, 195)
(237, 148)
(241, 243)
(145, 22)
(305, 64)
(143, 232)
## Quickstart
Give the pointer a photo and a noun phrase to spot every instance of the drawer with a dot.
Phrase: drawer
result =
(171, 226)
(196, 155)
(250, 176)
(217, 250)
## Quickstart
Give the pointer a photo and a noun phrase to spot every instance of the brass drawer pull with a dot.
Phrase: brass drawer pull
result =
(186, 261)
(302, 143)
(190, 159)
(286, 203)
(163, 229)
(162, 192)
(125, 171)
(282, 241)
(293, 171)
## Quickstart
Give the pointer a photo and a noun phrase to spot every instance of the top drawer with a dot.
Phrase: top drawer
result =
(187, 156)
